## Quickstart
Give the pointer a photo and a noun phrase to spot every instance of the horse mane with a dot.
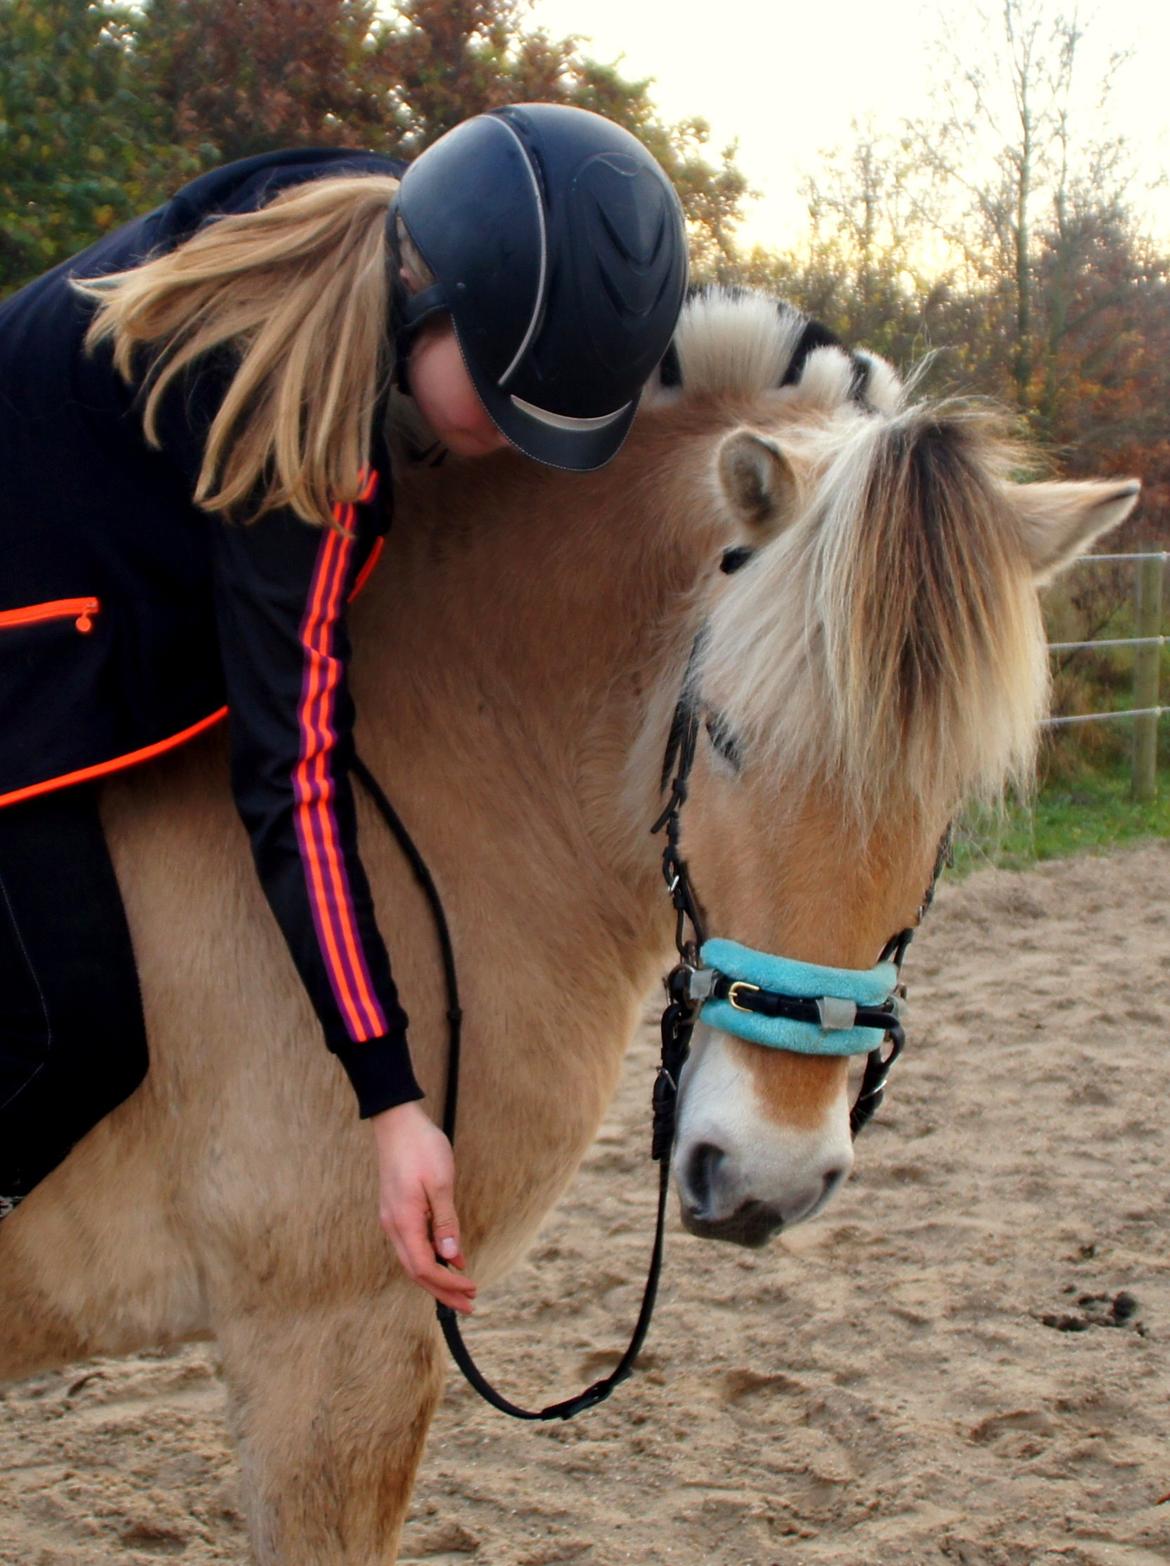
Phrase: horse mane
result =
(739, 340)
(886, 641)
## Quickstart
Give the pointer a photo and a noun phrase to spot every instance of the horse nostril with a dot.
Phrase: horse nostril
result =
(832, 1179)
(701, 1171)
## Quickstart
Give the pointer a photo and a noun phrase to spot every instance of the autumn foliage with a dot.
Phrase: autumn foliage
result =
(1048, 298)
(105, 109)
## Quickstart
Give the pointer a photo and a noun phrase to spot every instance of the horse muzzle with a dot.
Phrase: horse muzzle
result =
(723, 1198)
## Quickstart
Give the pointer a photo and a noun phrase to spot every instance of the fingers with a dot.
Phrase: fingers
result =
(445, 1226)
(409, 1232)
(416, 1172)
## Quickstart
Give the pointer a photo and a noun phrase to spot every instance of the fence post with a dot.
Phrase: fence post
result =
(1145, 679)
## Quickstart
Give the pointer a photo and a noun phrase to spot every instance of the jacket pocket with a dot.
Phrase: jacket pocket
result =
(80, 610)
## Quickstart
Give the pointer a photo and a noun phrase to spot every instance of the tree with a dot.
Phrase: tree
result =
(80, 149)
(258, 74)
(1111, 360)
(447, 59)
(103, 110)
(249, 76)
(1005, 154)
(859, 270)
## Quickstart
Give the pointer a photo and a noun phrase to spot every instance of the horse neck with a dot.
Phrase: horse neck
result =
(536, 623)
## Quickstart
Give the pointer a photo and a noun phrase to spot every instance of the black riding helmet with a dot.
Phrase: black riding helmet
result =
(558, 249)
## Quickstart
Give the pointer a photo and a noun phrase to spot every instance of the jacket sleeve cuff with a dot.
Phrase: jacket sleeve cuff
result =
(380, 1072)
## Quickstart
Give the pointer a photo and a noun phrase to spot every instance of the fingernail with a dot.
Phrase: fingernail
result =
(448, 1247)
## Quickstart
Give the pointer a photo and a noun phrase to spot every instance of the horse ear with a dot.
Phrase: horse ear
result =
(757, 482)
(1062, 520)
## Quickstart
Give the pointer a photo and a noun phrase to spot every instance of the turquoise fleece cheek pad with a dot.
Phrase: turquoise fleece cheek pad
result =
(863, 986)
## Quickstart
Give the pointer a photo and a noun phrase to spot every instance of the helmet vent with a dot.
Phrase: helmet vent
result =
(537, 315)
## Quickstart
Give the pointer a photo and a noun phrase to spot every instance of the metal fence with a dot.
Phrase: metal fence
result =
(1147, 643)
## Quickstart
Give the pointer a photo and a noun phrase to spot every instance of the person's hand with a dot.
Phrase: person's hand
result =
(416, 1181)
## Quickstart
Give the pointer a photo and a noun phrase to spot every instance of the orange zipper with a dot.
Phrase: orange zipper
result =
(80, 610)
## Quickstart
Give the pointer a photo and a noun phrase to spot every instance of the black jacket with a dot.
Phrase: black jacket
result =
(129, 618)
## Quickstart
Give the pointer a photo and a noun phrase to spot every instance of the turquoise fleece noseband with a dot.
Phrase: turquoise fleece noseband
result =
(735, 980)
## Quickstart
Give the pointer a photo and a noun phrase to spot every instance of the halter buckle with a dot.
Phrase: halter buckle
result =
(741, 985)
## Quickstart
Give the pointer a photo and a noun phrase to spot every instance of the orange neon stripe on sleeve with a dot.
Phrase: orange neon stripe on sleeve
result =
(356, 1024)
(375, 1018)
(367, 570)
(315, 790)
(317, 894)
(326, 820)
(324, 790)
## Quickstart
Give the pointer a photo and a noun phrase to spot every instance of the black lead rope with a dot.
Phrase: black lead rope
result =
(674, 1050)
(430, 891)
(600, 1390)
(678, 1024)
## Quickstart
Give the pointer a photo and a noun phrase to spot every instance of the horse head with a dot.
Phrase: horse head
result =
(870, 657)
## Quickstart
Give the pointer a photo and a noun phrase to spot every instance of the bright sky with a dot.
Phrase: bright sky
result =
(786, 79)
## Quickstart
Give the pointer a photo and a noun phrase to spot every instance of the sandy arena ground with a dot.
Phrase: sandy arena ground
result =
(965, 1359)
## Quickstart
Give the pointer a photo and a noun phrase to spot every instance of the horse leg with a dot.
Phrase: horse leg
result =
(331, 1404)
(92, 1262)
(39, 1332)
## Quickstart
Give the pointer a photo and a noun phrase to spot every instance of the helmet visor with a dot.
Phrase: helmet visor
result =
(557, 439)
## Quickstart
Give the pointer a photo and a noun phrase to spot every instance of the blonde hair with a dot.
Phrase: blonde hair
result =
(418, 273)
(298, 292)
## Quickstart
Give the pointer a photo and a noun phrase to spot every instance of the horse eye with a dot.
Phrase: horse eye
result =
(723, 740)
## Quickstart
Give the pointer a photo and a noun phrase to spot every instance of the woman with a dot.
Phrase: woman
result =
(192, 425)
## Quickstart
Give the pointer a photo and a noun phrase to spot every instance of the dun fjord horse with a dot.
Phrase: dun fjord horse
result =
(878, 658)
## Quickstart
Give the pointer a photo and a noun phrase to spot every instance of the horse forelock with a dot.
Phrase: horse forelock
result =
(887, 642)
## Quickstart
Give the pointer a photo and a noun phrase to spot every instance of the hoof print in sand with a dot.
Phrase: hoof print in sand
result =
(1097, 1310)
